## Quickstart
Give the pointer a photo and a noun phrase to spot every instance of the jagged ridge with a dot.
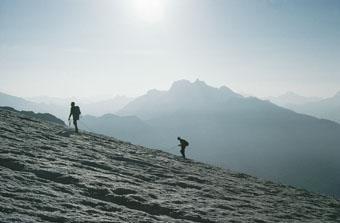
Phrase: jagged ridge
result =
(48, 175)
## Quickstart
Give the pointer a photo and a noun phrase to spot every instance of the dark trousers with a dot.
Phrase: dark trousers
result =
(75, 124)
(183, 151)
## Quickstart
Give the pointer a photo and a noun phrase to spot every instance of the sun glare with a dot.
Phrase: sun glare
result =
(150, 11)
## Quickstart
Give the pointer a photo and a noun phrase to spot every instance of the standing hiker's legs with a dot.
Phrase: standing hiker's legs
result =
(183, 152)
(75, 124)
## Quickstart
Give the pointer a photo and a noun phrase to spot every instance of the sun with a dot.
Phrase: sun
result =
(150, 11)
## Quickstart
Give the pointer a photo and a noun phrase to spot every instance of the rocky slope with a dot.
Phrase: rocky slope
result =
(41, 116)
(48, 174)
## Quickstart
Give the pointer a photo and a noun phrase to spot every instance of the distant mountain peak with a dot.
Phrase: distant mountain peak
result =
(182, 95)
(227, 90)
(185, 85)
(153, 92)
(180, 84)
(199, 82)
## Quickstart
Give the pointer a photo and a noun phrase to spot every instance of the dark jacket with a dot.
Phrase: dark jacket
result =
(75, 112)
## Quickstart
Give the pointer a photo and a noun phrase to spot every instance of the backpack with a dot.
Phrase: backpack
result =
(77, 111)
(185, 143)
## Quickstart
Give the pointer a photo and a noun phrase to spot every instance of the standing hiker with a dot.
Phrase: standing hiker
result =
(75, 112)
(183, 143)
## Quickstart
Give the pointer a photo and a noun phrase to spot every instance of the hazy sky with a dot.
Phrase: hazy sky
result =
(100, 47)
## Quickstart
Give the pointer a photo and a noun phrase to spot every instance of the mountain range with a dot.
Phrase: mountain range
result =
(242, 133)
(89, 106)
(182, 96)
(290, 99)
(17, 102)
(60, 107)
(328, 108)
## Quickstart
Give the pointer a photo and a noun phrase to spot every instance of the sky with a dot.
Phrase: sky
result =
(84, 48)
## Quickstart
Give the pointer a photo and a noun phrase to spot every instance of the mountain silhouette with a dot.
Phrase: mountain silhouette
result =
(328, 108)
(90, 107)
(16, 102)
(182, 96)
(49, 176)
(243, 133)
(128, 128)
(60, 107)
(290, 99)
(20, 104)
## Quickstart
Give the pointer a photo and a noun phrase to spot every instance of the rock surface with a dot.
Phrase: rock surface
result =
(41, 116)
(49, 174)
